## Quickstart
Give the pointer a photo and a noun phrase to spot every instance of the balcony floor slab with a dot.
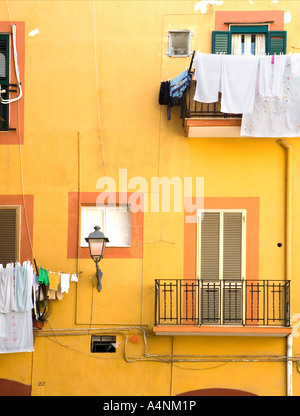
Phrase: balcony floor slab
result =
(240, 331)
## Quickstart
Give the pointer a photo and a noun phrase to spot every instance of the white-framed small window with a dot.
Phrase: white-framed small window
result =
(179, 43)
(114, 221)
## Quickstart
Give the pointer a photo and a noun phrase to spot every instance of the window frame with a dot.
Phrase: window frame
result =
(15, 132)
(221, 39)
(249, 29)
(243, 248)
(104, 343)
(189, 52)
(4, 125)
(104, 209)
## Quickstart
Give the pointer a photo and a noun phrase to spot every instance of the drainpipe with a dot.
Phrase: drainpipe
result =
(289, 365)
(288, 251)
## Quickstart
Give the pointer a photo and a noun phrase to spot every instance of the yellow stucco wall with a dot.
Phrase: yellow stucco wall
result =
(125, 50)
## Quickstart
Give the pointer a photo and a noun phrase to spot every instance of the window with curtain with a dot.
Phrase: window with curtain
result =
(248, 44)
(249, 39)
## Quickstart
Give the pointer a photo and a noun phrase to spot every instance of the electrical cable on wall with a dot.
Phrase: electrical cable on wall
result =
(14, 35)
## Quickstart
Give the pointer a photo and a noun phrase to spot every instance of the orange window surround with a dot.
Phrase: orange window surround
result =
(16, 114)
(251, 205)
(17, 200)
(275, 17)
(75, 202)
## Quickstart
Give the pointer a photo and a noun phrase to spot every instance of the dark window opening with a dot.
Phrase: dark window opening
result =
(103, 343)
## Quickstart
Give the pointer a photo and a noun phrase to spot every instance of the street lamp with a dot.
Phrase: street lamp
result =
(97, 242)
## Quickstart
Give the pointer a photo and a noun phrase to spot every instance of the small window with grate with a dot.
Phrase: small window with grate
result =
(103, 343)
(179, 43)
(9, 234)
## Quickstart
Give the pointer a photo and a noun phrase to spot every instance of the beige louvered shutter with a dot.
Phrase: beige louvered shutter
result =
(232, 245)
(210, 246)
(9, 230)
(232, 267)
(210, 268)
(221, 266)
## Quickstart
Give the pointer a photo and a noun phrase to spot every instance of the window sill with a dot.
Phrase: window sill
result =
(212, 127)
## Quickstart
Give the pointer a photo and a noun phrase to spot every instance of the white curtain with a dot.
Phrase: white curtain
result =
(247, 44)
(236, 44)
(260, 44)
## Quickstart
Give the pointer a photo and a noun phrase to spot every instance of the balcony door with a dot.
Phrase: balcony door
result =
(221, 267)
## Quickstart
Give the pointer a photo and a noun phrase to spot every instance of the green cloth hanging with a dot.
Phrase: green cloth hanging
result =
(43, 277)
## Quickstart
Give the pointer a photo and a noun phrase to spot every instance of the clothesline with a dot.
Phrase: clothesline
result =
(264, 89)
(20, 297)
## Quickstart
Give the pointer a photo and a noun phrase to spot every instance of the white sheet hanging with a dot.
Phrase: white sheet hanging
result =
(208, 69)
(18, 333)
(7, 295)
(23, 287)
(276, 117)
(295, 64)
(238, 83)
(279, 67)
(16, 305)
(265, 76)
(2, 325)
(270, 75)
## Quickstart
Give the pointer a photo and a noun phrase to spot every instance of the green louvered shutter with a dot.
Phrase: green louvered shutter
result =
(4, 80)
(276, 42)
(221, 42)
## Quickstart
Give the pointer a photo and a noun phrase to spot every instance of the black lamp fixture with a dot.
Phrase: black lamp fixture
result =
(97, 243)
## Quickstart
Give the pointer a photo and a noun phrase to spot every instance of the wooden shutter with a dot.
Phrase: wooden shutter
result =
(9, 235)
(232, 267)
(210, 246)
(221, 42)
(221, 238)
(276, 42)
(232, 245)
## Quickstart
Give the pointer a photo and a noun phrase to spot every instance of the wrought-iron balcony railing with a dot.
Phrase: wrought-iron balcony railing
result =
(223, 302)
(192, 108)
